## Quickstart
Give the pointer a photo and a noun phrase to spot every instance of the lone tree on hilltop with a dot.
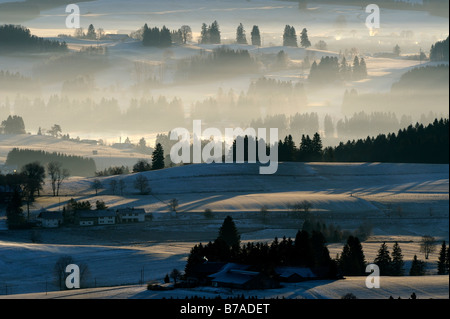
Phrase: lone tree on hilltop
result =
(240, 35)
(304, 40)
(256, 36)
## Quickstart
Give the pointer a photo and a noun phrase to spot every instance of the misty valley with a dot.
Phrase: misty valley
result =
(115, 155)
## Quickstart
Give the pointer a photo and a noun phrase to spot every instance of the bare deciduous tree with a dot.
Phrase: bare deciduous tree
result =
(175, 275)
(60, 270)
(141, 184)
(96, 185)
(186, 33)
(427, 245)
(57, 175)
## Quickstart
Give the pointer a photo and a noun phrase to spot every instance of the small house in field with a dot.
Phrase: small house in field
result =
(95, 217)
(240, 277)
(130, 215)
(295, 274)
(50, 219)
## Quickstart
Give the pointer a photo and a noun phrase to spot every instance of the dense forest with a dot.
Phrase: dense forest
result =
(308, 250)
(439, 51)
(77, 165)
(329, 70)
(14, 81)
(414, 144)
(221, 63)
(435, 7)
(19, 39)
(408, 95)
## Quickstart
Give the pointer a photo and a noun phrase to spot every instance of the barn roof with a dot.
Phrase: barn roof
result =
(50, 215)
(233, 273)
(286, 272)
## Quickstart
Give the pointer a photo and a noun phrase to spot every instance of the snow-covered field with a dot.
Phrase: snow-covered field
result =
(342, 194)
(401, 201)
(435, 287)
(105, 156)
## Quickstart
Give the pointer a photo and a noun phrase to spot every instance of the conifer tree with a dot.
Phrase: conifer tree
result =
(417, 267)
(289, 36)
(214, 33)
(240, 35)
(204, 35)
(229, 233)
(256, 36)
(316, 148)
(362, 69)
(355, 69)
(352, 260)
(91, 34)
(14, 211)
(383, 260)
(397, 260)
(165, 38)
(158, 157)
(304, 40)
(442, 264)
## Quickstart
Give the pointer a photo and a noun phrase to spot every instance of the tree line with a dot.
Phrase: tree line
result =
(78, 165)
(329, 70)
(439, 51)
(307, 250)
(414, 144)
(18, 38)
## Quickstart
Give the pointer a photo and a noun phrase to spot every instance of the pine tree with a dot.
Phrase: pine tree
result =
(397, 50)
(383, 260)
(397, 261)
(362, 69)
(356, 68)
(229, 233)
(441, 264)
(304, 40)
(91, 34)
(14, 211)
(214, 33)
(417, 267)
(289, 36)
(145, 35)
(352, 260)
(158, 157)
(204, 35)
(256, 36)
(316, 148)
(165, 38)
(240, 35)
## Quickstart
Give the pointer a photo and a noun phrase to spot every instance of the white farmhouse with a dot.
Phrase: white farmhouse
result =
(131, 215)
(50, 219)
(95, 217)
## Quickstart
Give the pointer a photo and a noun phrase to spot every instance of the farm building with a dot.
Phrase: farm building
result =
(239, 277)
(50, 219)
(294, 274)
(130, 215)
(95, 217)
